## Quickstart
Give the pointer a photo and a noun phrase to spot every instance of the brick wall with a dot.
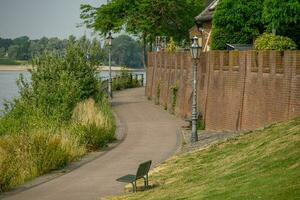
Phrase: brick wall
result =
(236, 90)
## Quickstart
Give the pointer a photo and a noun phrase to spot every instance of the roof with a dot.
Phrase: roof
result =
(239, 47)
(207, 13)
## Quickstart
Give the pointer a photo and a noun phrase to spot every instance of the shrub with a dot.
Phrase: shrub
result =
(157, 95)
(171, 46)
(269, 41)
(125, 80)
(174, 91)
(58, 83)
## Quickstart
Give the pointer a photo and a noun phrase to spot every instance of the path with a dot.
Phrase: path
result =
(151, 133)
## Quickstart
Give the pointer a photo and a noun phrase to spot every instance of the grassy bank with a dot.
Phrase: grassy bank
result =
(8, 61)
(259, 165)
(61, 114)
(25, 155)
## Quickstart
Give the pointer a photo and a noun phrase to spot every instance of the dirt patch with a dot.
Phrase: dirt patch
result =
(205, 139)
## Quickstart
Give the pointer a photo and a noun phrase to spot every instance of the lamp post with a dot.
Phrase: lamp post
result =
(195, 52)
(109, 43)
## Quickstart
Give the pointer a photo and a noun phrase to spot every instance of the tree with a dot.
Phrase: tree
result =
(23, 44)
(283, 17)
(144, 18)
(2, 52)
(98, 54)
(95, 54)
(35, 48)
(236, 21)
(13, 51)
(56, 45)
(5, 43)
(127, 52)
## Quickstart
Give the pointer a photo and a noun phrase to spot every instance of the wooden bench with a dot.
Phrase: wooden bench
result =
(142, 172)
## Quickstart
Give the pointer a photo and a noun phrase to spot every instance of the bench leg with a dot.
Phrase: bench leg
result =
(133, 186)
(145, 182)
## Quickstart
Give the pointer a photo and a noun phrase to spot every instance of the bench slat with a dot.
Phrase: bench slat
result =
(129, 178)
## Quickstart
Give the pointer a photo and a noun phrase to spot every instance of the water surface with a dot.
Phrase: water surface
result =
(9, 88)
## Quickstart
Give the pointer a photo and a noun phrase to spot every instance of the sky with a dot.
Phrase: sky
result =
(38, 18)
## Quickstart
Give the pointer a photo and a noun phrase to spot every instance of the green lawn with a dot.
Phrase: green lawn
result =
(259, 165)
(7, 61)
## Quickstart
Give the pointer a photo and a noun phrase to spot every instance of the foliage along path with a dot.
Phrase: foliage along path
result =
(151, 134)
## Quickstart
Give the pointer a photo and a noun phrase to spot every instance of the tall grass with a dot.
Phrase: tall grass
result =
(29, 155)
(95, 126)
(26, 155)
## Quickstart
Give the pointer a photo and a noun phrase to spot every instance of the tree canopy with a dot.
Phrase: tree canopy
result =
(283, 17)
(127, 52)
(145, 18)
(242, 21)
(236, 21)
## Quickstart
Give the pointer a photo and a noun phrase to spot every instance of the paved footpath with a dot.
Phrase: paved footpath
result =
(150, 133)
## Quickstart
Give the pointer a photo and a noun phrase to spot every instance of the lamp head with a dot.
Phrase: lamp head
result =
(195, 48)
(109, 39)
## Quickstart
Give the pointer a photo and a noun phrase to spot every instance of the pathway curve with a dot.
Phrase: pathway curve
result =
(151, 133)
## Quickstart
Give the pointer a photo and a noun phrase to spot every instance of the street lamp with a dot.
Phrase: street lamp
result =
(195, 52)
(109, 43)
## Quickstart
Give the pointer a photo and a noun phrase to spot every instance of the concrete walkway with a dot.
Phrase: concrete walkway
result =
(151, 133)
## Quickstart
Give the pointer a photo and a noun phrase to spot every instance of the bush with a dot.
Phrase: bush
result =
(58, 83)
(269, 41)
(125, 80)
(171, 46)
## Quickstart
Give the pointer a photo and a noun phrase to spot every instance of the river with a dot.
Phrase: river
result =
(9, 88)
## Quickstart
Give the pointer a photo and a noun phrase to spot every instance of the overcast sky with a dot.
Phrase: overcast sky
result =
(38, 18)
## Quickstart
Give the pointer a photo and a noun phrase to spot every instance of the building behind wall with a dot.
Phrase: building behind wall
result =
(203, 25)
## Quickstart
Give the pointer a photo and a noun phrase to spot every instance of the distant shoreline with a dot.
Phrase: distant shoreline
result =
(14, 67)
(29, 67)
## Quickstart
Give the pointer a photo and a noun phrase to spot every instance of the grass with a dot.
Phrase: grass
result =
(95, 123)
(7, 61)
(258, 165)
(39, 149)
(26, 156)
